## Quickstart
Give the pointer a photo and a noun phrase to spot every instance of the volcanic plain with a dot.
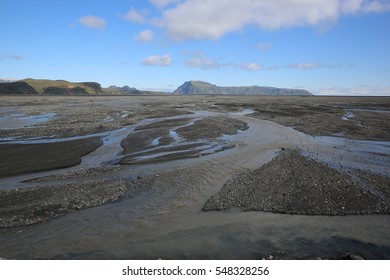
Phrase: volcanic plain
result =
(194, 177)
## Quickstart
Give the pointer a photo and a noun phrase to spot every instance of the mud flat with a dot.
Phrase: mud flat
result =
(128, 177)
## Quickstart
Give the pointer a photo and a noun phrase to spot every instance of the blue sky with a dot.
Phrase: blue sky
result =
(325, 46)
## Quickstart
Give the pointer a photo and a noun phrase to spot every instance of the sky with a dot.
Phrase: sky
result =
(324, 46)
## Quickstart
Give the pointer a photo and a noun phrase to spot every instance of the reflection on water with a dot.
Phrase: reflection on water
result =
(9, 120)
(348, 116)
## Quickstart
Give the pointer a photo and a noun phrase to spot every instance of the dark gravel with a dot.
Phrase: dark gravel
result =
(212, 128)
(22, 207)
(141, 140)
(294, 184)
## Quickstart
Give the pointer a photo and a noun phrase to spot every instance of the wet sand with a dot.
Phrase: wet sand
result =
(23, 158)
(145, 166)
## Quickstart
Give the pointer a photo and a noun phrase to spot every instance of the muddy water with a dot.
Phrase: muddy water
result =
(364, 155)
(167, 221)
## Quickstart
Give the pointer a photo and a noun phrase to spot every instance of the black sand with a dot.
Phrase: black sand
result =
(23, 158)
(22, 207)
(211, 128)
(293, 184)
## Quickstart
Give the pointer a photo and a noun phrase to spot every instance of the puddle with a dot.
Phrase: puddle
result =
(108, 120)
(156, 141)
(243, 112)
(348, 116)
(13, 121)
(174, 135)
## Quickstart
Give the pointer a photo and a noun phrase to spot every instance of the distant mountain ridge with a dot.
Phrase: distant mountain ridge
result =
(121, 90)
(61, 87)
(6, 81)
(40, 86)
(200, 87)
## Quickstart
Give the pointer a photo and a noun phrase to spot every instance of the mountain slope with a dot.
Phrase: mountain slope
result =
(16, 88)
(33, 86)
(200, 87)
(114, 90)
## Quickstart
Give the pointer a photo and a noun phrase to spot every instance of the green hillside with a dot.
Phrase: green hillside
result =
(63, 87)
(33, 86)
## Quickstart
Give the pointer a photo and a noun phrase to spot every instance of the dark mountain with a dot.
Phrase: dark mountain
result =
(199, 87)
(34, 86)
(60, 87)
(16, 88)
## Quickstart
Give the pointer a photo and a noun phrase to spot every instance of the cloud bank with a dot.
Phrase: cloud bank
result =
(354, 91)
(212, 19)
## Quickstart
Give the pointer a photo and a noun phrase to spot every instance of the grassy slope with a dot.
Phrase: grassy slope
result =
(41, 85)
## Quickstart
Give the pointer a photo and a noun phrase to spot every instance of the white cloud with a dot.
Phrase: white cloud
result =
(308, 65)
(93, 22)
(212, 19)
(135, 16)
(199, 59)
(144, 36)
(158, 60)
(264, 46)
(163, 3)
(252, 66)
